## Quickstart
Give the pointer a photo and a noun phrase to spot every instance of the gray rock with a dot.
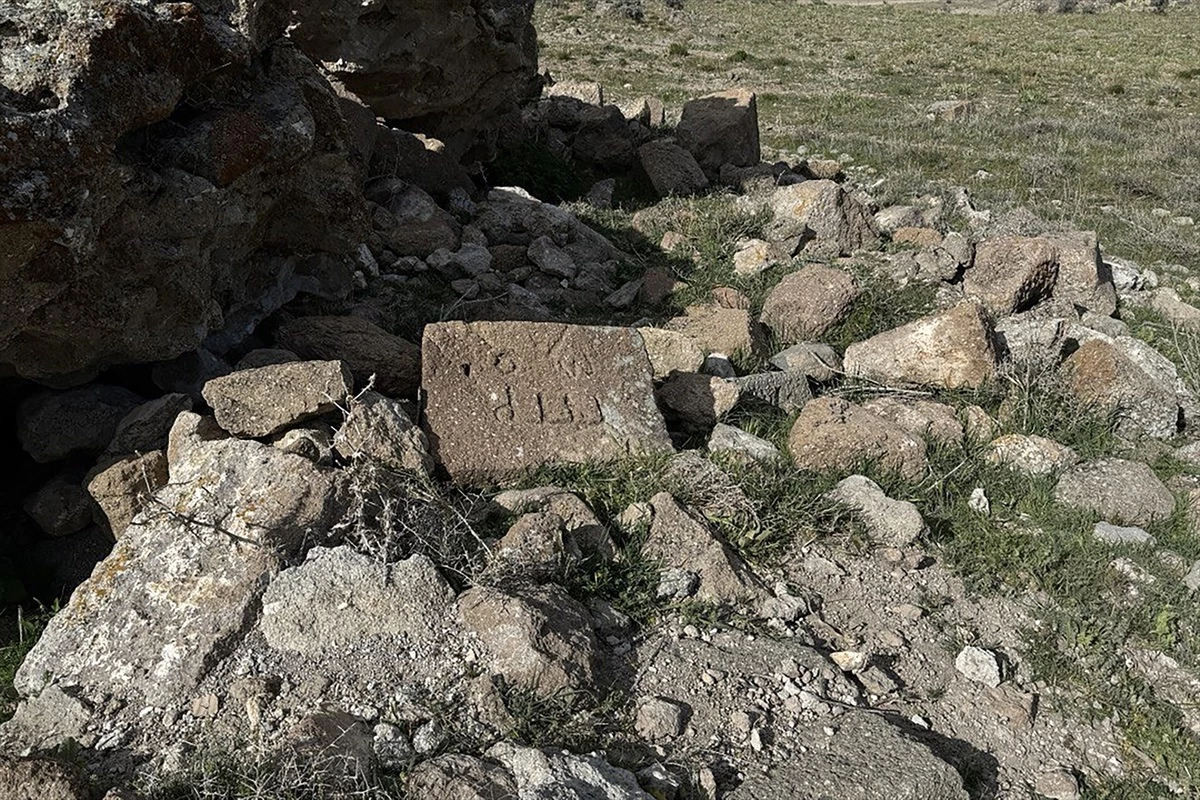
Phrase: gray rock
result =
(60, 507)
(48, 721)
(681, 541)
(1122, 492)
(267, 400)
(424, 80)
(146, 427)
(265, 357)
(1083, 277)
(583, 530)
(718, 365)
(54, 425)
(338, 598)
(538, 638)
(1058, 784)
(821, 215)
(336, 745)
(459, 777)
(187, 373)
(818, 361)
(893, 522)
(672, 170)
(787, 391)
(1192, 579)
(1032, 336)
(377, 427)
(740, 444)
(979, 665)
(866, 758)
(604, 139)
(313, 441)
(550, 258)
(558, 775)
(659, 719)
(234, 509)
(534, 544)
(1116, 534)
(411, 223)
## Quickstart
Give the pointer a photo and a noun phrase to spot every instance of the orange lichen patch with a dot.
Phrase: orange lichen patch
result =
(99, 586)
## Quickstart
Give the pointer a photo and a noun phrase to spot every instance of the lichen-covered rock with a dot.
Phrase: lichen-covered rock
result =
(557, 775)
(379, 428)
(927, 419)
(671, 351)
(1127, 377)
(424, 83)
(183, 582)
(264, 401)
(719, 330)
(953, 349)
(1012, 273)
(823, 213)
(1083, 277)
(1033, 455)
(339, 598)
(168, 173)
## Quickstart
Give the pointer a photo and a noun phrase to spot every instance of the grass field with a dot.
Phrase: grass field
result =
(1087, 119)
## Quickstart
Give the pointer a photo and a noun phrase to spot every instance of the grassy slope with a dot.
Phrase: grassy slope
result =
(1076, 113)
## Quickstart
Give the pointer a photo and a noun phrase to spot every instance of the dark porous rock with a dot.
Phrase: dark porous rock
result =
(183, 173)
(54, 425)
(368, 350)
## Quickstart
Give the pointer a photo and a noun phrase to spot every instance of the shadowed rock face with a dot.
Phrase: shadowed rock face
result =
(161, 179)
(447, 68)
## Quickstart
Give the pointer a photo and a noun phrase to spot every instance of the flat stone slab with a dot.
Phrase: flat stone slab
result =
(503, 397)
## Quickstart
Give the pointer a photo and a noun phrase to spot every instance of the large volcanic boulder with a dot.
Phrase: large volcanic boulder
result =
(448, 68)
(166, 173)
